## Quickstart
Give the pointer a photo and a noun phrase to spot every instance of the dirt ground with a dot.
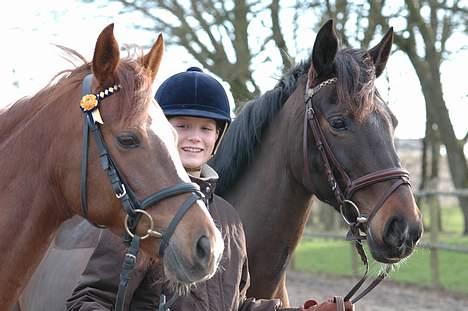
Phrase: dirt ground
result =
(388, 296)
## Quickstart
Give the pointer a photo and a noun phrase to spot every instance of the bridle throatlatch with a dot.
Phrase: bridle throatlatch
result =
(134, 208)
(346, 206)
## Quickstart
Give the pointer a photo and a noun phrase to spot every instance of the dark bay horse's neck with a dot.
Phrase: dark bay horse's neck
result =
(274, 208)
(28, 193)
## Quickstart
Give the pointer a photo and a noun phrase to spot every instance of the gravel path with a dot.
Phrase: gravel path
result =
(388, 296)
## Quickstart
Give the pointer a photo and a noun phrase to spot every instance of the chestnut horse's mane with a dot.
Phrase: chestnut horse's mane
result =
(129, 75)
(355, 74)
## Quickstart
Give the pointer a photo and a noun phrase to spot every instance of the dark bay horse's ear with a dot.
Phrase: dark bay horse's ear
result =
(106, 57)
(152, 60)
(324, 51)
(381, 51)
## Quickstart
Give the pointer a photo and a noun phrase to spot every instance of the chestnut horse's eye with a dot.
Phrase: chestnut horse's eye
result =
(338, 123)
(128, 140)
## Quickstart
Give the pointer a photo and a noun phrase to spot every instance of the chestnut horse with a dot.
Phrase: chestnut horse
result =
(46, 159)
(321, 131)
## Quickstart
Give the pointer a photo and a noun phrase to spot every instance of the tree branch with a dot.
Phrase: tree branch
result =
(278, 35)
(417, 19)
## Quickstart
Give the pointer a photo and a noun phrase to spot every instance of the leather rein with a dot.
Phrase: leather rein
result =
(133, 207)
(344, 198)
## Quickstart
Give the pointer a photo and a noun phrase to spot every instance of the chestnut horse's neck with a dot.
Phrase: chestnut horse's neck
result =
(269, 193)
(30, 206)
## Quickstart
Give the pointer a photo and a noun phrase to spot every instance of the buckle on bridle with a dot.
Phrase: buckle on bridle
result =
(122, 193)
(149, 232)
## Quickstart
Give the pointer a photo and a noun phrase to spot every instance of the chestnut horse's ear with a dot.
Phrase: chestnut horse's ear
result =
(152, 60)
(324, 51)
(381, 52)
(106, 57)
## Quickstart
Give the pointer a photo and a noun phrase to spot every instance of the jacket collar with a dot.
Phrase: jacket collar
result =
(207, 181)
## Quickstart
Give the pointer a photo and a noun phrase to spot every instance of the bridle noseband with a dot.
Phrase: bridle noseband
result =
(344, 199)
(133, 207)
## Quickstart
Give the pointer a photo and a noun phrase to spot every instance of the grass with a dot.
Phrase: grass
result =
(322, 255)
(334, 257)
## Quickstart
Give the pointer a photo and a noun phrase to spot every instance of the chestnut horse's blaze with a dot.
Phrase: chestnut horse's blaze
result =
(323, 131)
(43, 143)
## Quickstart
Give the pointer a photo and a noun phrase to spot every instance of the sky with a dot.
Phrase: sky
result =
(28, 59)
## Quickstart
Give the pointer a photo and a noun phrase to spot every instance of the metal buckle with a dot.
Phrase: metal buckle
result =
(123, 193)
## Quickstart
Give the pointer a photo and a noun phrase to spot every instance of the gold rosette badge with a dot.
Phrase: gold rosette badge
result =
(88, 102)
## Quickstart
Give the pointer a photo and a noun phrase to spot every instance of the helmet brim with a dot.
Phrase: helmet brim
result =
(196, 113)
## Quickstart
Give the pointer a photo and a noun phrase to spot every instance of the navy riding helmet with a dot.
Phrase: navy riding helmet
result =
(196, 94)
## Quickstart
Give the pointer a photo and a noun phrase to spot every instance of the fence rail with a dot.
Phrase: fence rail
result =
(455, 192)
(425, 245)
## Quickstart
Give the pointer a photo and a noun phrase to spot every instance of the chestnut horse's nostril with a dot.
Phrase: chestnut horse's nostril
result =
(396, 232)
(203, 251)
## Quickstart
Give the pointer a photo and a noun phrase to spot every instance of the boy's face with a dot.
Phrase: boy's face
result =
(196, 140)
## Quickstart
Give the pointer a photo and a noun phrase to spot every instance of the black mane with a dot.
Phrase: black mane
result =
(355, 87)
(238, 146)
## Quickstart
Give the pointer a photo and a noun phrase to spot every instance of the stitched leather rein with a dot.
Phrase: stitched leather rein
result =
(344, 198)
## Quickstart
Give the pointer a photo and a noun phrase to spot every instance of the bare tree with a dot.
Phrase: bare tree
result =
(424, 41)
(216, 34)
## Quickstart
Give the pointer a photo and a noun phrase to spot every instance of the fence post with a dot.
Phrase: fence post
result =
(434, 231)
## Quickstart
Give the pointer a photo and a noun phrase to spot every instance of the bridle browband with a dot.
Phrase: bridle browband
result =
(133, 207)
(344, 198)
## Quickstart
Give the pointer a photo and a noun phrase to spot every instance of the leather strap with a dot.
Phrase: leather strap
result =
(173, 224)
(128, 265)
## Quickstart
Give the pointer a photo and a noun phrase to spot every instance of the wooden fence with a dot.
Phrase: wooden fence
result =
(433, 244)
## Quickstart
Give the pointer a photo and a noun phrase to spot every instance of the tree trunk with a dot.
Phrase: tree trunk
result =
(436, 224)
(432, 91)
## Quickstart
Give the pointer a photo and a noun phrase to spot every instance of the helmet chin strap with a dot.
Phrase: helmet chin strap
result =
(220, 138)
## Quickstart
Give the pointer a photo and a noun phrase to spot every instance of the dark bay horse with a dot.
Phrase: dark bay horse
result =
(131, 157)
(270, 170)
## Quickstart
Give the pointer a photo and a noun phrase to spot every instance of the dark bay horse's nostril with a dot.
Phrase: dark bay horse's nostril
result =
(415, 233)
(203, 251)
(396, 232)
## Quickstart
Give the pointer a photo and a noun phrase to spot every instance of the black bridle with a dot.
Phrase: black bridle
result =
(344, 199)
(133, 207)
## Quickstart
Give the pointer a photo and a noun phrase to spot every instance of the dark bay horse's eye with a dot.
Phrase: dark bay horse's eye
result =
(338, 123)
(128, 140)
